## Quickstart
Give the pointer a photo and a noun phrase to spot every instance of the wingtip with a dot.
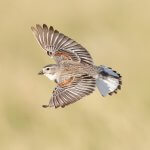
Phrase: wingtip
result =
(44, 25)
(38, 27)
(32, 28)
(51, 28)
(45, 106)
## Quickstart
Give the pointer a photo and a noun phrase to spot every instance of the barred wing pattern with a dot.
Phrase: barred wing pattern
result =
(80, 87)
(59, 46)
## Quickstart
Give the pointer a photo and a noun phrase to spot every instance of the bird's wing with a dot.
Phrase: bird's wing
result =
(72, 90)
(59, 46)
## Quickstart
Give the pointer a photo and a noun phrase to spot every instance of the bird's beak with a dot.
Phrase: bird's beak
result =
(41, 72)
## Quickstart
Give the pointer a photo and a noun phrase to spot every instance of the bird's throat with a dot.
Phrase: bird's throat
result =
(51, 76)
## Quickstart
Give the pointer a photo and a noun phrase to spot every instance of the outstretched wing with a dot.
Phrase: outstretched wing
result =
(59, 46)
(72, 90)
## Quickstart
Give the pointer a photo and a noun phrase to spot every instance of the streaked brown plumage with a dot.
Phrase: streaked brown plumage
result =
(75, 74)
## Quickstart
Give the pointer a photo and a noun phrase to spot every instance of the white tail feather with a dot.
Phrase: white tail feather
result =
(109, 81)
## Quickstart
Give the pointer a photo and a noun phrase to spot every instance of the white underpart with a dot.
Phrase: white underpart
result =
(51, 76)
(107, 85)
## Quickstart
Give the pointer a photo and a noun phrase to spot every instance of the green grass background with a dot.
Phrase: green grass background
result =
(117, 34)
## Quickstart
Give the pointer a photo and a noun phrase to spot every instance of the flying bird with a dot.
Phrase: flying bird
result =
(74, 72)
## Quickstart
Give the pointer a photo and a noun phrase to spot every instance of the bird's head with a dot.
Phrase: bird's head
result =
(49, 71)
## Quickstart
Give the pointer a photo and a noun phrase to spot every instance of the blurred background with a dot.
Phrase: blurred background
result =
(117, 34)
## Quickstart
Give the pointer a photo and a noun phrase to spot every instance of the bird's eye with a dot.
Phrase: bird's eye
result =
(47, 68)
(49, 53)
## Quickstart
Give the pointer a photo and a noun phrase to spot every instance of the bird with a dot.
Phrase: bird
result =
(75, 73)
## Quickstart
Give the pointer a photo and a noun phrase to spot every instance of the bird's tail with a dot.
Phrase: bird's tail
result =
(109, 81)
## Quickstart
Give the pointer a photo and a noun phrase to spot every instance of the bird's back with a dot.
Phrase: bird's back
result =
(77, 69)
